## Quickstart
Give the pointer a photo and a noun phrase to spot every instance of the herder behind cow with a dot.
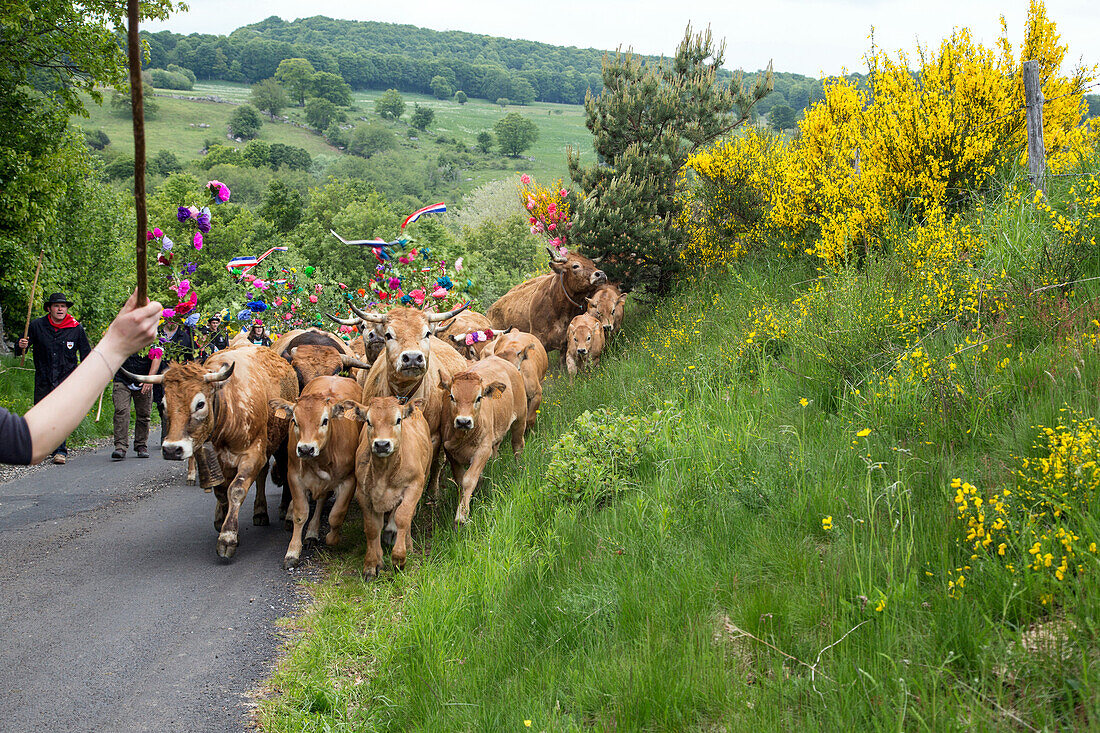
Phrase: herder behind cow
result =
(56, 339)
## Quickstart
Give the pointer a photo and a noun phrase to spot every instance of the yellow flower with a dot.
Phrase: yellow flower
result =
(863, 433)
(827, 523)
(527, 723)
(881, 605)
(803, 402)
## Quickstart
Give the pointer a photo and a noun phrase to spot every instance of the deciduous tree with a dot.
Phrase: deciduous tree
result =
(245, 122)
(296, 76)
(422, 117)
(269, 96)
(515, 133)
(391, 105)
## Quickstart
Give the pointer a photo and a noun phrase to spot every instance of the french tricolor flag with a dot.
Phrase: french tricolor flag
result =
(440, 208)
(244, 262)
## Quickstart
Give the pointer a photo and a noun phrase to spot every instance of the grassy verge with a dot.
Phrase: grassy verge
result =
(17, 396)
(784, 539)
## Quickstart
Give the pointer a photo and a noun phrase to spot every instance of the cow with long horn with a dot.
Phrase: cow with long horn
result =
(544, 305)
(225, 402)
(412, 364)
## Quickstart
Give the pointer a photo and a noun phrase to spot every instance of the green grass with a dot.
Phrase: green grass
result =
(176, 128)
(702, 590)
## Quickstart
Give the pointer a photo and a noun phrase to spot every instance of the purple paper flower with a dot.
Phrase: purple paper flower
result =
(183, 213)
(204, 222)
(190, 268)
(394, 283)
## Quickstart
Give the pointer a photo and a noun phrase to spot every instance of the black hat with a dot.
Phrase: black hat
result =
(58, 298)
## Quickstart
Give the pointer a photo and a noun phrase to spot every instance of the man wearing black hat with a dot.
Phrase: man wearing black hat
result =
(56, 339)
(216, 340)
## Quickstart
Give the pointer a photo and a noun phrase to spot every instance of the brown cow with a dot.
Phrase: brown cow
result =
(607, 305)
(321, 454)
(586, 342)
(544, 305)
(225, 401)
(454, 332)
(524, 352)
(317, 353)
(391, 468)
(480, 406)
(412, 364)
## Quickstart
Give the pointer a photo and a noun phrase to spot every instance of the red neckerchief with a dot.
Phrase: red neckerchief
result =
(67, 322)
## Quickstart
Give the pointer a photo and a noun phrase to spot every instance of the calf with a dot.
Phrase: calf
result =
(586, 342)
(480, 406)
(321, 458)
(456, 330)
(607, 305)
(525, 352)
(391, 470)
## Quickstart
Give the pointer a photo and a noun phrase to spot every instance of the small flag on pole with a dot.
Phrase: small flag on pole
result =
(440, 208)
(247, 262)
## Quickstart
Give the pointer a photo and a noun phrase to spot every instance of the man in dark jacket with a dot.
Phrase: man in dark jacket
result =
(56, 339)
(216, 340)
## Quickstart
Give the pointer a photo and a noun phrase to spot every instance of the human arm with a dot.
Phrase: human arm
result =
(154, 368)
(57, 415)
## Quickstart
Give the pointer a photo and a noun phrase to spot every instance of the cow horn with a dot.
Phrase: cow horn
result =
(143, 378)
(221, 375)
(437, 317)
(368, 317)
(445, 326)
(344, 321)
(351, 361)
(555, 255)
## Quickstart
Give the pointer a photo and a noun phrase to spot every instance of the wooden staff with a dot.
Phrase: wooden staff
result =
(30, 304)
(137, 105)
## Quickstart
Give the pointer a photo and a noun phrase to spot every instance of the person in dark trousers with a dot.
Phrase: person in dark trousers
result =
(258, 335)
(216, 340)
(59, 343)
(122, 392)
(30, 438)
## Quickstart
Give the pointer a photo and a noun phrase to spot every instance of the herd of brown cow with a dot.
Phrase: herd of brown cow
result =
(381, 435)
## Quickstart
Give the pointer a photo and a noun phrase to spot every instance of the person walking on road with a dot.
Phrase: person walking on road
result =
(123, 391)
(57, 340)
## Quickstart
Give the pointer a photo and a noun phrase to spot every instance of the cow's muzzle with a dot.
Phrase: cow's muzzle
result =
(412, 362)
(598, 277)
(464, 423)
(307, 450)
(582, 352)
(382, 448)
(172, 452)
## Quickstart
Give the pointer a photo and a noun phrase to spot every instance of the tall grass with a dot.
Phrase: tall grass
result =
(17, 396)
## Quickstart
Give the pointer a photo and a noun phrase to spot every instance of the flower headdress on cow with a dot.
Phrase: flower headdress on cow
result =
(548, 211)
(177, 264)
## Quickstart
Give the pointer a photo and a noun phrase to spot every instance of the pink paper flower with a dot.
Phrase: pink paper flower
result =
(530, 205)
(183, 288)
(168, 313)
(157, 232)
(156, 352)
(470, 338)
(278, 302)
(525, 179)
(458, 265)
(223, 193)
(313, 299)
(394, 283)
(552, 227)
(439, 292)
(198, 240)
(403, 260)
(319, 287)
(563, 193)
(418, 296)
(287, 316)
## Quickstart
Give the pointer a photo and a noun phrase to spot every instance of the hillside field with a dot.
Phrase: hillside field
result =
(176, 128)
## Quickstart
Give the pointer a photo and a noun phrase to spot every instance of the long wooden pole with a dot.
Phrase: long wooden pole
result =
(137, 104)
(30, 303)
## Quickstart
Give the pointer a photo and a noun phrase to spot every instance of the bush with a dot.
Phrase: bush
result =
(245, 122)
(485, 141)
(257, 153)
(96, 139)
(120, 168)
(176, 69)
(164, 79)
(218, 154)
(422, 117)
(595, 460)
(460, 97)
(164, 163)
(290, 156)
(367, 139)
(391, 105)
(320, 113)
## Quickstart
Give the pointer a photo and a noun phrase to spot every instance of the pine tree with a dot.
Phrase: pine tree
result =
(647, 121)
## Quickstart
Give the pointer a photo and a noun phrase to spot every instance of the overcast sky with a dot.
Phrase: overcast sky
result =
(804, 36)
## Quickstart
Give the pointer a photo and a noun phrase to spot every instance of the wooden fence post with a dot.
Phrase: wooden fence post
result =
(1033, 103)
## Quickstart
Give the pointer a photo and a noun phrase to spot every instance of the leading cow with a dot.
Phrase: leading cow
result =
(544, 306)
(225, 402)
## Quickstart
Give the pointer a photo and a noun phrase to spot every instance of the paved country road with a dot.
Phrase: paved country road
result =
(115, 612)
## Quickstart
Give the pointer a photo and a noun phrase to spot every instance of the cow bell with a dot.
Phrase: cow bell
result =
(210, 469)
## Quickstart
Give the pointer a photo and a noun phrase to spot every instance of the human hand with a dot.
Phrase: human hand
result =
(133, 327)
(24, 343)
(146, 388)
